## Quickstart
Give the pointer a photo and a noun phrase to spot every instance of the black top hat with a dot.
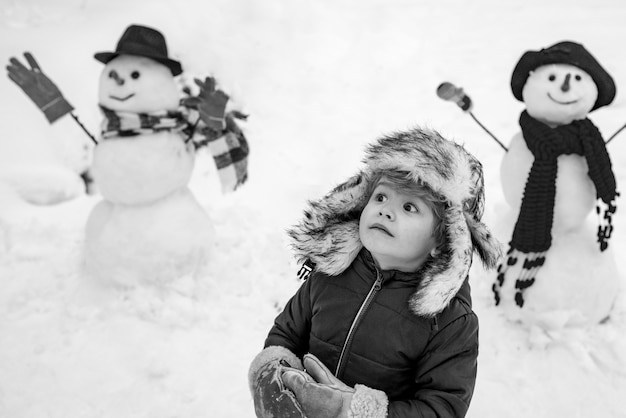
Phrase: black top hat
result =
(565, 52)
(145, 42)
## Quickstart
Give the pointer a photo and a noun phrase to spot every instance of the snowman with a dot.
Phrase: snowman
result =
(149, 228)
(559, 270)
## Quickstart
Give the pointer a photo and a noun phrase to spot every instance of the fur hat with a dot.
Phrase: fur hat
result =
(144, 42)
(565, 52)
(328, 235)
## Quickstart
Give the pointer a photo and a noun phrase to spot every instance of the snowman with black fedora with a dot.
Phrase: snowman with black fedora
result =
(148, 227)
(559, 269)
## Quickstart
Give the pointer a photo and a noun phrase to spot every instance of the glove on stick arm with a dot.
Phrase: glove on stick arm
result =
(38, 87)
(271, 397)
(212, 104)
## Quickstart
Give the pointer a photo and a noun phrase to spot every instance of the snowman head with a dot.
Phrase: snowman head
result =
(131, 83)
(561, 83)
(139, 75)
(558, 94)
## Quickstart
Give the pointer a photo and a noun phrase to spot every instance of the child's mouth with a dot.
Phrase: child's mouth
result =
(381, 228)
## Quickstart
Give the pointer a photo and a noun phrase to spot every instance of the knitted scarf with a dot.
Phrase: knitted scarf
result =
(228, 147)
(532, 235)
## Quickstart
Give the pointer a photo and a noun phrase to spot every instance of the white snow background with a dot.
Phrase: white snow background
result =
(320, 80)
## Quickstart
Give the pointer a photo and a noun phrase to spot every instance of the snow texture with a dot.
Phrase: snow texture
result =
(320, 81)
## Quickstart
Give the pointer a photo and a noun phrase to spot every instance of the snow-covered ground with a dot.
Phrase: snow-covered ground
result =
(320, 80)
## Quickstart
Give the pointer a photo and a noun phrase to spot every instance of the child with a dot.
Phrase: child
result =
(384, 324)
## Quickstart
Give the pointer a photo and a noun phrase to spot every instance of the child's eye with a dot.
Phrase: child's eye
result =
(410, 207)
(379, 197)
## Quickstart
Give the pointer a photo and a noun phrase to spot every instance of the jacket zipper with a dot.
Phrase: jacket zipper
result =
(357, 319)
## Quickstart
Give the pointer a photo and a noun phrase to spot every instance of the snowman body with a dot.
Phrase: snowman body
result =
(578, 282)
(149, 227)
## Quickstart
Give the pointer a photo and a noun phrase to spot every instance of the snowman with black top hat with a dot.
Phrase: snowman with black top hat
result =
(149, 227)
(559, 269)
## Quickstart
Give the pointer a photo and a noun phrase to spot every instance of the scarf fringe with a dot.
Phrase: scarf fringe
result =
(532, 262)
(605, 212)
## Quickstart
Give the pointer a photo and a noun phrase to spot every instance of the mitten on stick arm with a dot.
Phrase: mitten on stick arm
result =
(212, 104)
(271, 397)
(322, 395)
(38, 87)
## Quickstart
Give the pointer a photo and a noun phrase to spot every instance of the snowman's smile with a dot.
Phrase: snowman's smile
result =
(122, 99)
(560, 102)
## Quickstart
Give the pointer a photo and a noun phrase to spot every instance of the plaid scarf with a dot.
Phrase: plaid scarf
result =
(228, 146)
(125, 124)
(532, 236)
(230, 152)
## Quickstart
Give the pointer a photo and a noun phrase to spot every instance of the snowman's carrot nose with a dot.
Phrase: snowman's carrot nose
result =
(115, 76)
(565, 85)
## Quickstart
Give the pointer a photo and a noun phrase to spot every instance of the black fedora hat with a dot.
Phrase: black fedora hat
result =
(565, 52)
(145, 42)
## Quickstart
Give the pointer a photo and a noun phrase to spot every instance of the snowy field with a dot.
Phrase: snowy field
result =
(320, 79)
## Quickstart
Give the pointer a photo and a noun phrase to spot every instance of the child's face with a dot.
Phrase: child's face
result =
(397, 228)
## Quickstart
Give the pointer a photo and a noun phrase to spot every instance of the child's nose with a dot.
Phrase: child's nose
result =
(386, 212)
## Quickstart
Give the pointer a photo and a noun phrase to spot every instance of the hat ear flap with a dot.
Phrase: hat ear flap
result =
(443, 277)
(328, 234)
(485, 244)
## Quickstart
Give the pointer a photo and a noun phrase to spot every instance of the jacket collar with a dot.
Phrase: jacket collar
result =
(366, 261)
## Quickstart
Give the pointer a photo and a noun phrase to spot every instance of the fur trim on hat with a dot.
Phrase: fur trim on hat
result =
(328, 235)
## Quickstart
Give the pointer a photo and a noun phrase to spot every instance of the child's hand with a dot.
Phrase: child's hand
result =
(320, 394)
(212, 104)
(271, 398)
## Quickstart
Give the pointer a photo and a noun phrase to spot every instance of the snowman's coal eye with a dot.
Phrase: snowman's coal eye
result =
(135, 75)
(577, 77)
(112, 74)
(552, 77)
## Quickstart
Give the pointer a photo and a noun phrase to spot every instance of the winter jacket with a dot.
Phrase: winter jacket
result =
(360, 326)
